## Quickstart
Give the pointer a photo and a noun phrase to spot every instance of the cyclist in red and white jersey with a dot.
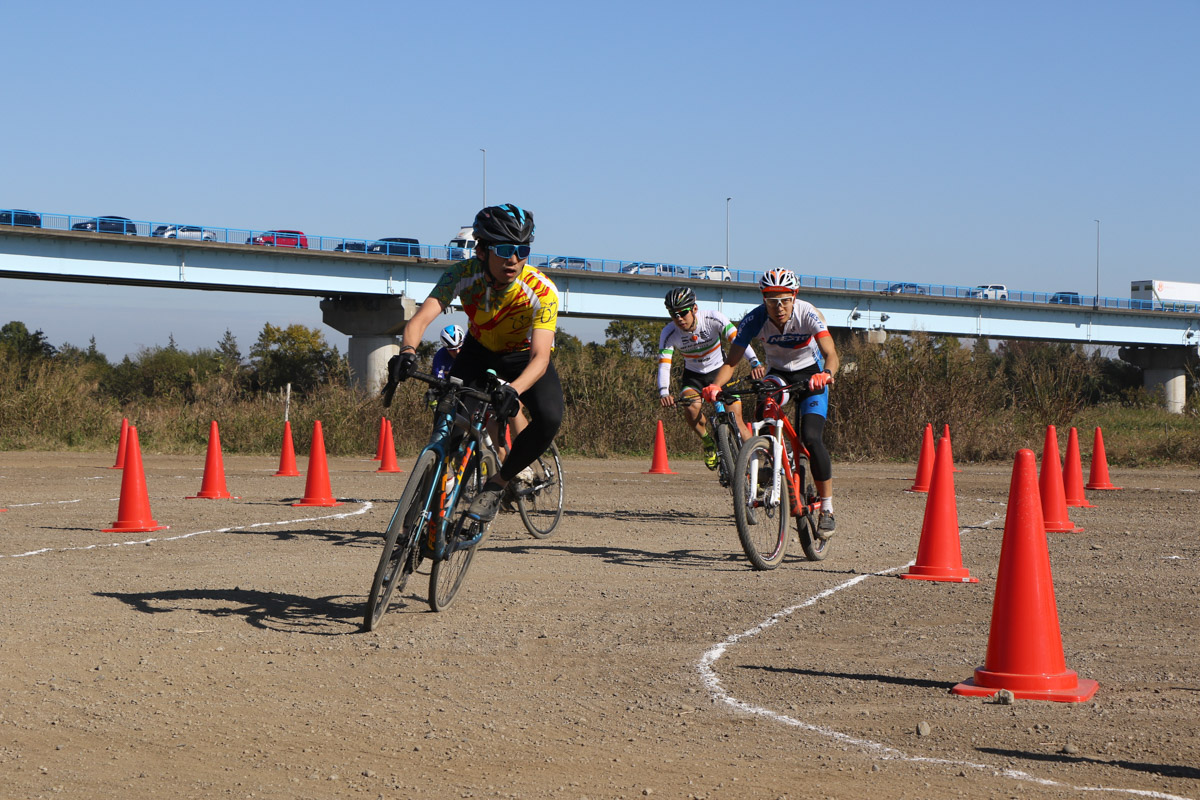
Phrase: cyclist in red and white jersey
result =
(697, 335)
(798, 349)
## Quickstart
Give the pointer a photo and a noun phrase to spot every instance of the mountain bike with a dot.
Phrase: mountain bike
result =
(430, 520)
(724, 430)
(772, 481)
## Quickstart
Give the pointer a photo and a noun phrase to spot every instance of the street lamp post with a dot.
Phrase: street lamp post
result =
(1097, 303)
(727, 199)
(482, 150)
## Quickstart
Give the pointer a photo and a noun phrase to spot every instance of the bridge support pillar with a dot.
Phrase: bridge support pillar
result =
(1164, 372)
(373, 323)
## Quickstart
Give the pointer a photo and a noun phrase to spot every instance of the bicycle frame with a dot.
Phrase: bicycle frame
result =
(781, 430)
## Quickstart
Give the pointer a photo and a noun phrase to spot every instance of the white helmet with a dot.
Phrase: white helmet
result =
(453, 336)
(778, 280)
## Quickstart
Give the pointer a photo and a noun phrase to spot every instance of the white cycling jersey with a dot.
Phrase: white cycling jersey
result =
(701, 348)
(794, 347)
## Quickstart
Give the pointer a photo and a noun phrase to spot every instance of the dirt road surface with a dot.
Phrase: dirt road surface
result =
(633, 654)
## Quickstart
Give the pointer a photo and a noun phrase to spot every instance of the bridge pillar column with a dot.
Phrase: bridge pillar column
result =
(1163, 372)
(373, 323)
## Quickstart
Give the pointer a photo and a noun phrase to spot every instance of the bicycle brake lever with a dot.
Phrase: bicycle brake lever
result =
(389, 390)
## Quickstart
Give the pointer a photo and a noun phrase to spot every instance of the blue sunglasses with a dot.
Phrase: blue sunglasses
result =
(507, 250)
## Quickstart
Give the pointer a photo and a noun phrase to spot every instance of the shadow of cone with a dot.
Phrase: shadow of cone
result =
(1073, 475)
(287, 456)
(946, 436)
(379, 444)
(924, 462)
(317, 491)
(939, 555)
(212, 486)
(658, 464)
(1098, 476)
(388, 461)
(1024, 652)
(133, 512)
(1054, 498)
(121, 442)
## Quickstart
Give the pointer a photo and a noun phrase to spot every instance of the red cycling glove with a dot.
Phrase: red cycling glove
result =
(819, 381)
(710, 392)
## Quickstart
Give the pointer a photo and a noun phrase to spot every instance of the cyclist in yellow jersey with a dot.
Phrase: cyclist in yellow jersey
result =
(512, 312)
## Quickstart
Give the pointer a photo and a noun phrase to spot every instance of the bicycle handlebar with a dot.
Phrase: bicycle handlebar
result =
(442, 384)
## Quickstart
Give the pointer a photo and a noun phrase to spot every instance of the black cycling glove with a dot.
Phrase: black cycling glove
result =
(401, 366)
(505, 401)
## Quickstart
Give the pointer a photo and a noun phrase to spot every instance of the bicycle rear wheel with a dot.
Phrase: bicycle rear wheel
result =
(762, 529)
(400, 546)
(815, 548)
(540, 501)
(447, 575)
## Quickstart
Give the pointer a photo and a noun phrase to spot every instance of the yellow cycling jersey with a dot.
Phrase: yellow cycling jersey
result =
(502, 321)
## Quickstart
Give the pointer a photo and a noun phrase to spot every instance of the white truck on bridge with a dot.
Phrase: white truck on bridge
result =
(1171, 295)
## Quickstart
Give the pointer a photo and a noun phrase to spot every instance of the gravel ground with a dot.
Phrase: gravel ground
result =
(632, 654)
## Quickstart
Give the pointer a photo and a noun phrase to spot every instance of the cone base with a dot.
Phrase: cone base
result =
(1062, 527)
(1080, 504)
(135, 526)
(317, 501)
(915, 488)
(1081, 691)
(660, 472)
(286, 474)
(212, 496)
(949, 574)
(397, 469)
(1107, 488)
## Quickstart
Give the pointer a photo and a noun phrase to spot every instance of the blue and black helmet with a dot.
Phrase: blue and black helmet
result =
(506, 224)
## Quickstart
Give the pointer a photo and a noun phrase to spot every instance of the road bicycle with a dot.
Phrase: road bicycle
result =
(772, 481)
(538, 493)
(430, 521)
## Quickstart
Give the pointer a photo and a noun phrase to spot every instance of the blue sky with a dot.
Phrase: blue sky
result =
(940, 142)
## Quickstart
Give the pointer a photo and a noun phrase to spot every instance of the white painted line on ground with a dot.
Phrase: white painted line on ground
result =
(367, 506)
(46, 503)
(713, 683)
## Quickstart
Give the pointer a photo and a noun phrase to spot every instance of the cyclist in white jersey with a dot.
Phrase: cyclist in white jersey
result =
(799, 349)
(697, 335)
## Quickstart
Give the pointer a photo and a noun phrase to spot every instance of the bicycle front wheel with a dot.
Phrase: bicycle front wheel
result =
(728, 444)
(447, 575)
(540, 501)
(762, 527)
(400, 546)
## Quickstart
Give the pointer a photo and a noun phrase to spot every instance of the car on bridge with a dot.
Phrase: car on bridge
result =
(713, 272)
(568, 262)
(396, 246)
(905, 288)
(1066, 298)
(184, 232)
(281, 238)
(19, 217)
(351, 247)
(108, 224)
(653, 268)
(990, 291)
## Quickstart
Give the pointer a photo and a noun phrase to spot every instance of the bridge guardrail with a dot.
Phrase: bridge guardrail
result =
(340, 244)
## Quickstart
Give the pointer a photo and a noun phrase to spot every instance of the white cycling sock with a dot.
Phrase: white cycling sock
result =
(827, 505)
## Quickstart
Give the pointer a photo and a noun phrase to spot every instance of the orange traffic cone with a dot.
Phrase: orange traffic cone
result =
(287, 456)
(317, 491)
(1053, 496)
(1073, 475)
(379, 443)
(658, 464)
(924, 462)
(121, 444)
(1024, 652)
(939, 555)
(946, 436)
(133, 511)
(212, 486)
(388, 461)
(1098, 477)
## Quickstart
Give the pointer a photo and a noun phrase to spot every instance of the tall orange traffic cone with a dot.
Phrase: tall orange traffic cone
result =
(212, 486)
(1073, 475)
(121, 444)
(939, 555)
(946, 436)
(924, 462)
(379, 443)
(1053, 496)
(658, 464)
(1098, 476)
(317, 491)
(133, 511)
(1024, 652)
(287, 456)
(388, 461)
